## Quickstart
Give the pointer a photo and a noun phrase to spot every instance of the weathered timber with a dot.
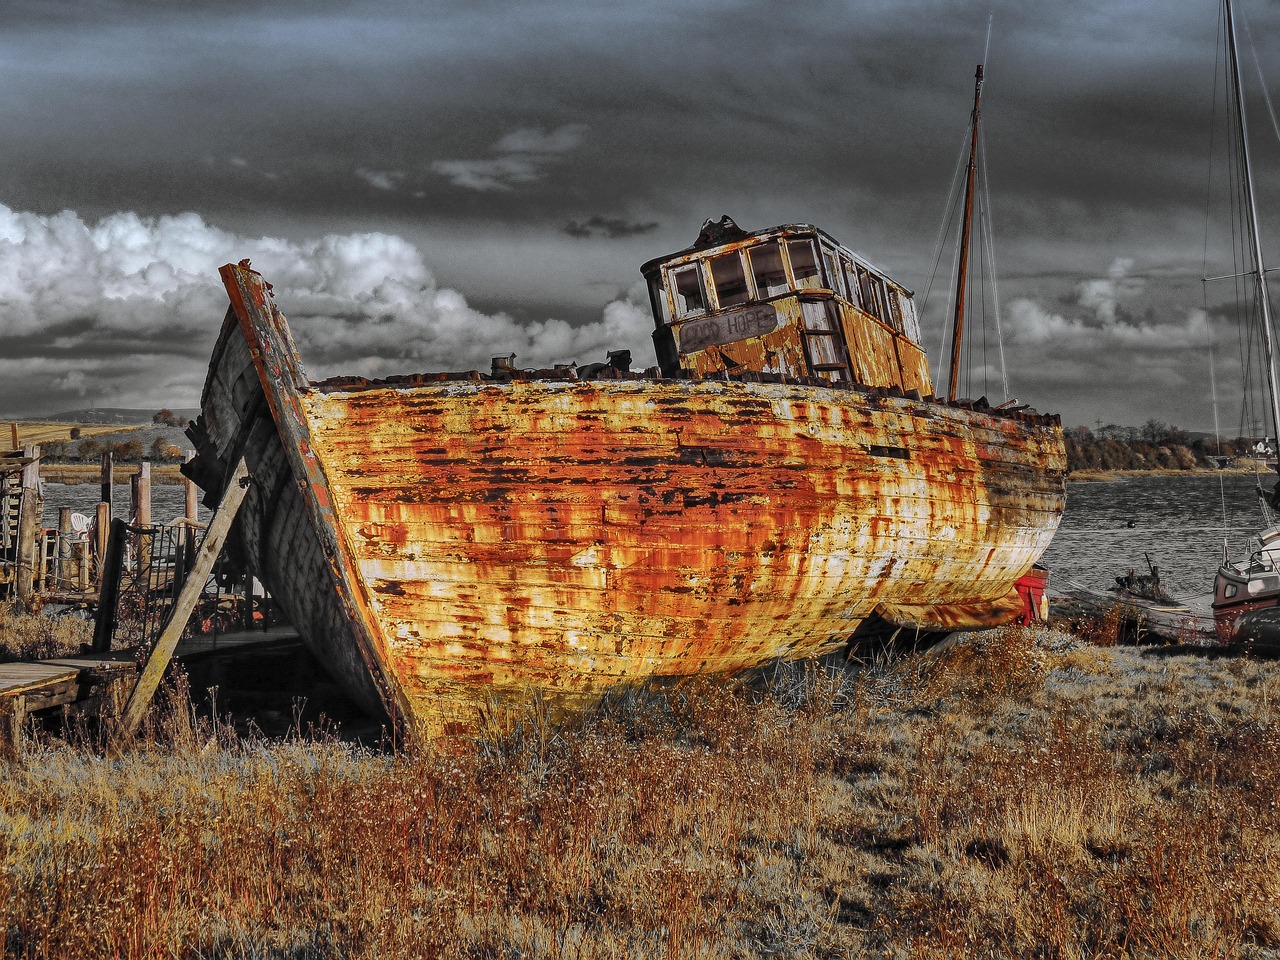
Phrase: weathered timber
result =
(162, 652)
(108, 478)
(102, 532)
(29, 517)
(448, 544)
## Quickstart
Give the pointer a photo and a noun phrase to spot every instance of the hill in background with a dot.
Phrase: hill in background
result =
(121, 415)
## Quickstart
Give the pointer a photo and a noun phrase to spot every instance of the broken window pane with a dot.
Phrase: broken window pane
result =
(804, 265)
(895, 311)
(872, 295)
(833, 271)
(658, 297)
(851, 279)
(686, 283)
(729, 278)
(766, 267)
(910, 322)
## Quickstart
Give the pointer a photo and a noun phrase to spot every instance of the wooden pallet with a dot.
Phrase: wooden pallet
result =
(100, 684)
(91, 684)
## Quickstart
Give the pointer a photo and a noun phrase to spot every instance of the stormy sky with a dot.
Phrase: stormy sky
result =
(431, 184)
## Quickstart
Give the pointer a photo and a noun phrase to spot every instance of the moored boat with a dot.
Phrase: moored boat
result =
(1250, 584)
(454, 546)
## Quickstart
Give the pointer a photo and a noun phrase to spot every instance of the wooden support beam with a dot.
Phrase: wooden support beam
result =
(108, 478)
(62, 576)
(109, 573)
(101, 532)
(162, 652)
(29, 518)
(191, 503)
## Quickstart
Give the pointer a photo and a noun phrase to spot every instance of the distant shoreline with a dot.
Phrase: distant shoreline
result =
(91, 473)
(1246, 468)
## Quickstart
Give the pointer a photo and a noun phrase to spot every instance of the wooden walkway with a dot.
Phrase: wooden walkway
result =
(99, 684)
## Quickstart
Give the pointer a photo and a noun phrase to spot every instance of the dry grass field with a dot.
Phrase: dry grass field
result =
(51, 431)
(15, 434)
(1018, 794)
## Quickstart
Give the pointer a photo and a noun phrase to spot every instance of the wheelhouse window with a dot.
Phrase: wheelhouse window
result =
(804, 265)
(658, 298)
(729, 278)
(872, 294)
(850, 280)
(893, 301)
(686, 284)
(832, 266)
(767, 270)
(910, 322)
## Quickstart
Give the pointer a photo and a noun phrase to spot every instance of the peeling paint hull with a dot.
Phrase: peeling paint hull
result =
(454, 550)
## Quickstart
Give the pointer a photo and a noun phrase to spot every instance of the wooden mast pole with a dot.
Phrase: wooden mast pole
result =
(962, 281)
(1255, 238)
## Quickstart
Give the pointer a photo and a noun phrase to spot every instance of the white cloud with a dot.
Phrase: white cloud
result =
(518, 157)
(536, 140)
(498, 173)
(1101, 324)
(380, 179)
(130, 287)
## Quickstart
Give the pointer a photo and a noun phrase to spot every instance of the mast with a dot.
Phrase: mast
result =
(1251, 211)
(963, 279)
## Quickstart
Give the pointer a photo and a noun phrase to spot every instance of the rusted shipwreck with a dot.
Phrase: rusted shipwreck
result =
(454, 546)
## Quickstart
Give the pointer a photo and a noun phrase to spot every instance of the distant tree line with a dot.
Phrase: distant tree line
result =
(159, 450)
(1152, 446)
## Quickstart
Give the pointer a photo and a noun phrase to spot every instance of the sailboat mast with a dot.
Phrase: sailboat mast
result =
(1251, 209)
(957, 327)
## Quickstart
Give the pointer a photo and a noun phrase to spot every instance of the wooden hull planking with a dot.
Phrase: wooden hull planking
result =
(451, 549)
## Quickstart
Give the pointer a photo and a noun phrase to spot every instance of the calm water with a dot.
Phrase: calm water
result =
(1178, 520)
(167, 501)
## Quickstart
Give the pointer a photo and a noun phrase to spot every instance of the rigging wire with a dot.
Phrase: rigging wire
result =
(990, 247)
(983, 266)
(944, 231)
(1262, 81)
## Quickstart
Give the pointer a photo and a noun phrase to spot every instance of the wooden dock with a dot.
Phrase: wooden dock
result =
(99, 684)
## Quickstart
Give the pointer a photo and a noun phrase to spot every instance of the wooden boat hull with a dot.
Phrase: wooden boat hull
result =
(455, 549)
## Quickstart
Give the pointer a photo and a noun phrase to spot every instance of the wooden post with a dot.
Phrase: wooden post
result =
(141, 491)
(101, 532)
(144, 494)
(30, 516)
(6, 521)
(192, 501)
(16, 721)
(13, 427)
(81, 549)
(162, 652)
(191, 508)
(109, 573)
(62, 563)
(108, 478)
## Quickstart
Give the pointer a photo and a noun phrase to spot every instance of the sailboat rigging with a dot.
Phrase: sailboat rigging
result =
(962, 275)
(1252, 584)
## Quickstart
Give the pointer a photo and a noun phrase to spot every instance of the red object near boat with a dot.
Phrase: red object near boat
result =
(1031, 586)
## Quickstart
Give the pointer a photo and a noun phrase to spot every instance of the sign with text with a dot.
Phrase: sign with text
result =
(753, 321)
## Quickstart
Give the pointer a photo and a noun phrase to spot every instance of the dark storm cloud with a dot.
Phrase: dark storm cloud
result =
(609, 227)
(496, 138)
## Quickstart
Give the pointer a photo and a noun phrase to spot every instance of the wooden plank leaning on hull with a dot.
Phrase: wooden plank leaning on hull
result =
(167, 642)
(282, 378)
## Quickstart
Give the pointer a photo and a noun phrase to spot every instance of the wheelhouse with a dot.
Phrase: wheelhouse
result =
(790, 301)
